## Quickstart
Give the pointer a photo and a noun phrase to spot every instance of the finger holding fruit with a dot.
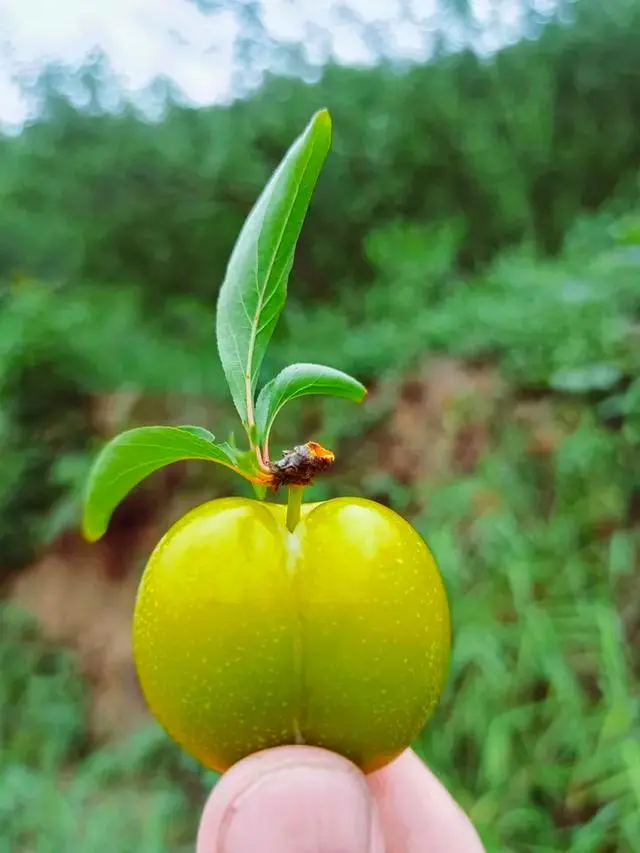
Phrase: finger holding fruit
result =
(259, 624)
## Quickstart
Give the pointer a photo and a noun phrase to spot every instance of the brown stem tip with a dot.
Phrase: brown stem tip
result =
(299, 467)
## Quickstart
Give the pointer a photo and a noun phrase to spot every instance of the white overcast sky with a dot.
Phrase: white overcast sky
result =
(145, 38)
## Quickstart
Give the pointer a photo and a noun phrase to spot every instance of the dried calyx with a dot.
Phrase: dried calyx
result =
(298, 467)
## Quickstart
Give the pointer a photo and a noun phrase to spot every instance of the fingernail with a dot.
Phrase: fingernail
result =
(302, 810)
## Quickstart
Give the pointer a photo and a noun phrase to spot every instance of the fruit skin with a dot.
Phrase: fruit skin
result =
(247, 636)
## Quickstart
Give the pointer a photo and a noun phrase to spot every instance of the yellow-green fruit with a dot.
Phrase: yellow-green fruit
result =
(247, 636)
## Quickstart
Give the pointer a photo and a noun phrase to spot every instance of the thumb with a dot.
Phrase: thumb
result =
(292, 799)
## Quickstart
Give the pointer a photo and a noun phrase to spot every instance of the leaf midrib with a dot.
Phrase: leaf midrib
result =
(262, 291)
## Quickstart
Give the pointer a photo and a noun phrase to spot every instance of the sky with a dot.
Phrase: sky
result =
(146, 38)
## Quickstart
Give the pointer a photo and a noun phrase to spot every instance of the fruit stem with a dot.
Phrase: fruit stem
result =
(294, 502)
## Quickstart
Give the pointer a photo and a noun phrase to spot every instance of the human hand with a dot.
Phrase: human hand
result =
(301, 799)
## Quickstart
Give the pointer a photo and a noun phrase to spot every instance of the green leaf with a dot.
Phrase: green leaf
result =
(254, 289)
(247, 461)
(133, 455)
(300, 380)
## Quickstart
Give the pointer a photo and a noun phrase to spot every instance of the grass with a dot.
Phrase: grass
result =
(538, 733)
(59, 792)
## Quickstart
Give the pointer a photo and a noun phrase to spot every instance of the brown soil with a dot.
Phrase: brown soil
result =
(442, 421)
(80, 605)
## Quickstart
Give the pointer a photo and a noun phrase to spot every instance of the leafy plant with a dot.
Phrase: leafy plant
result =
(250, 301)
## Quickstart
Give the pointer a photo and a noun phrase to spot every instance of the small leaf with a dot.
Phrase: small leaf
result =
(254, 289)
(247, 464)
(301, 380)
(134, 455)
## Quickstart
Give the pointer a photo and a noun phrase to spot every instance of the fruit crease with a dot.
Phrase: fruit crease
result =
(294, 557)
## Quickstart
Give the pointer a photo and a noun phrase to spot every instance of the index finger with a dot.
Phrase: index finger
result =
(417, 813)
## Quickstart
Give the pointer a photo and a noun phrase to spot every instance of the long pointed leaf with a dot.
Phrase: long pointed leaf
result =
(133, 455)
(254, 289)
(300, 380)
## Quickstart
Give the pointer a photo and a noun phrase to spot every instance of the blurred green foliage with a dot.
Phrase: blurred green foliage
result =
(539, 732)
(55, 794)
(487, 210)
(511, 148)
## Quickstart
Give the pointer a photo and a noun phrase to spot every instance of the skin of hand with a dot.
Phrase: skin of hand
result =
(301, 799)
